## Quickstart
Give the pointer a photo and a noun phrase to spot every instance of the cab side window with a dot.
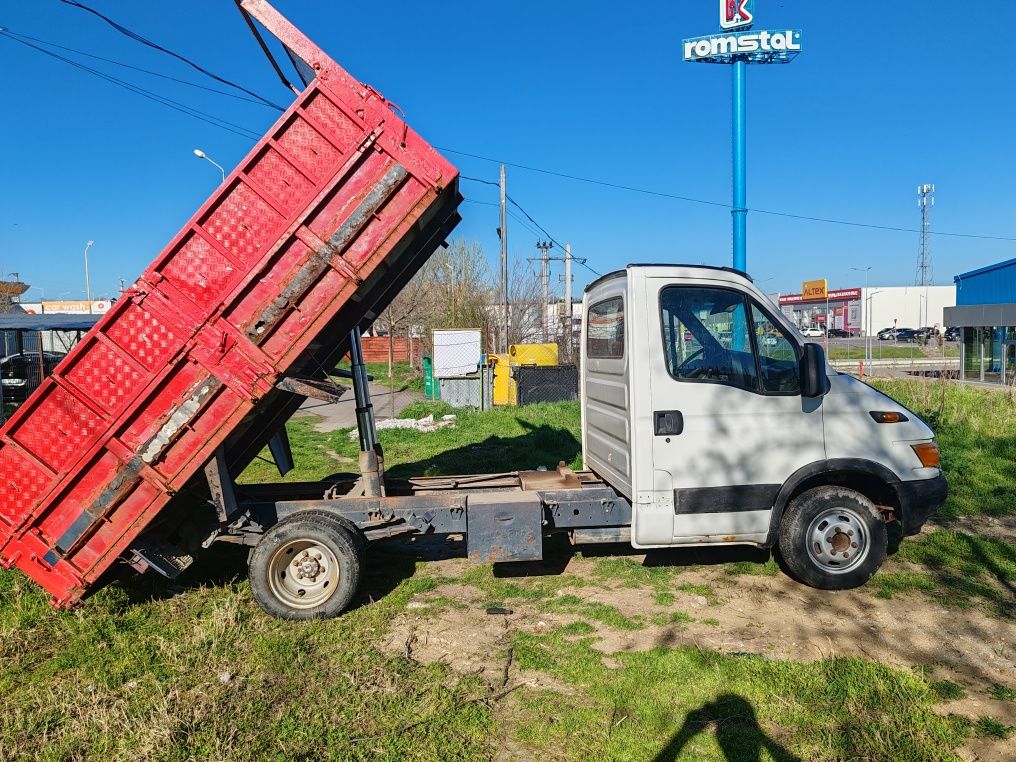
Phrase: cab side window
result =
(605, 329)
(777, 355)
(706, 336)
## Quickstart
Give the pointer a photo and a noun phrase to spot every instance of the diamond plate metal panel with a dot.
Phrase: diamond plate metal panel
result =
(200, 272)
(307, 146)
(143, 337)
(106, 376)
(288, 188)
(69, 427)
(341, 129)
(21, 484)
(244, 224)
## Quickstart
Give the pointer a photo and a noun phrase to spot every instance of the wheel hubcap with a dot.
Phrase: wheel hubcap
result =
(837, 540)
(303, 573)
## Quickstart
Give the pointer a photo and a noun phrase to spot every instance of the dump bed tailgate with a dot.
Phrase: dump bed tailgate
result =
(311, 235)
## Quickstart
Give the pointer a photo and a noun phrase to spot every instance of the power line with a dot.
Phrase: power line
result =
(211, 119)
(145, 41)
(529, 217)
(662, 194)
(244, 132)
(16, 35)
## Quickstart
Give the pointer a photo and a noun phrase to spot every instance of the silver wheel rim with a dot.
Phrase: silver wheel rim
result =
(837, 540)
(303, 574)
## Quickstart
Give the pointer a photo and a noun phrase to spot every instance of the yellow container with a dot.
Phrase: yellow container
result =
(533, 354)
(503, 383)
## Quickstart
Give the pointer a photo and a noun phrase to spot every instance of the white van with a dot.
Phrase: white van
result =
(704, 406)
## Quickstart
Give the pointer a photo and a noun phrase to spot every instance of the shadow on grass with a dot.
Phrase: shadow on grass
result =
(738, 733)
(540, 446)
(558, 552)
(224, 565)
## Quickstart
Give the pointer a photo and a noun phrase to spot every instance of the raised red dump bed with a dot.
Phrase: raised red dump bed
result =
(311, 236)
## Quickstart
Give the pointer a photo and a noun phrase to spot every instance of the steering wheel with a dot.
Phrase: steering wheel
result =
(686, 369)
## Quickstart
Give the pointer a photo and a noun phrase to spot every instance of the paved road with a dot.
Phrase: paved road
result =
(342, 414)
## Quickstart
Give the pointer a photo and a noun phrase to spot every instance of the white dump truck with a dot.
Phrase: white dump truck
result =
(707, 419)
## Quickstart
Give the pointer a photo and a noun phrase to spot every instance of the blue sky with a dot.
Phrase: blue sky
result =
(877, 103)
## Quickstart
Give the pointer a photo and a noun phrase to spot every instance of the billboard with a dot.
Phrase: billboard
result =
(814, 289)
(75, 307)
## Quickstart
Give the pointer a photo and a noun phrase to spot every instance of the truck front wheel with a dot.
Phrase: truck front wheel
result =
(832, 538)
(307, 566)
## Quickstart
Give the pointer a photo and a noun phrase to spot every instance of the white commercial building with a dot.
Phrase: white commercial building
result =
(905, 306)
(849, 309)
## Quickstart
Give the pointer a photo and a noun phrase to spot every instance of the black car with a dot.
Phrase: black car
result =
(838, 333)
(21, 374)
(953, 334)
(907, 334)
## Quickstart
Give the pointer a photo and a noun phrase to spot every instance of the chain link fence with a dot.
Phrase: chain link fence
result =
(546, 383)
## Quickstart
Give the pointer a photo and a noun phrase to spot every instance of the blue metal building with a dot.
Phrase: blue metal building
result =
(986, 311)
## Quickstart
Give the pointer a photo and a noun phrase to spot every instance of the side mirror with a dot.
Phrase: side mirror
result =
(814, 380)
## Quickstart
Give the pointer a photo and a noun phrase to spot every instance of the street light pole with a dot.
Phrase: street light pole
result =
(88, 283)
(867, 313)
(202, 155)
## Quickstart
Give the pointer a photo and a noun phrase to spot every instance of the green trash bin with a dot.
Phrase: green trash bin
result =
(431, 390)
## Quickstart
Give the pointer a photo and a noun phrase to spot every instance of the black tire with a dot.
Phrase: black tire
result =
(308, 566)
(832, 538)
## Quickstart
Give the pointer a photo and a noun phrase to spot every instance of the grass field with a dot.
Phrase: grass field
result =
(404, 375)
(193, 670)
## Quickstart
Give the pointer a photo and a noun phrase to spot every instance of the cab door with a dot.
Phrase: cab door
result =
(729, 424)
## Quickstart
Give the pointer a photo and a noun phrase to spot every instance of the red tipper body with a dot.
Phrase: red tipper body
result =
(310, 236)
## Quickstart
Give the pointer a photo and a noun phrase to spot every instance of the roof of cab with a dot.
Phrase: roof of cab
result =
(617, 273)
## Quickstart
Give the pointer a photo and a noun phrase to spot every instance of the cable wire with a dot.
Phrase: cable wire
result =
(662, 194)
(228, 94)
(211, 119)
(145, 41)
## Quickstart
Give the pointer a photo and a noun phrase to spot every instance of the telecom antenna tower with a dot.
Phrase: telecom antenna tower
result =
(925, 200)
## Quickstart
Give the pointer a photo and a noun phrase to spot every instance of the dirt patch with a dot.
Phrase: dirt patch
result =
(768, 615)
(996, 528)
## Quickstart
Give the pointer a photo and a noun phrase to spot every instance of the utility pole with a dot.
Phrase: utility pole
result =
(925, 200)
(502, 233)
(567, 301)
(88, 283)
(544, 247)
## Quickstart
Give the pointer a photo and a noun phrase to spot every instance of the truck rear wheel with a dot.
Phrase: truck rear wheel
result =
(307, 566)
(832, 538)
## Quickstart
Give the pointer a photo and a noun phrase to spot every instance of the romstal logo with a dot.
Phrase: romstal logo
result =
(736, 14)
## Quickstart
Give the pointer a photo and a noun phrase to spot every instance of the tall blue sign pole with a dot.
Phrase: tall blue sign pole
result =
(739, 45)
(739, 136)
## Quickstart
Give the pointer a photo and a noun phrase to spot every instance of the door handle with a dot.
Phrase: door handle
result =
(668, 423)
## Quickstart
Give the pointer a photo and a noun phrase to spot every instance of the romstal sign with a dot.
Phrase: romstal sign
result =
(738, 44)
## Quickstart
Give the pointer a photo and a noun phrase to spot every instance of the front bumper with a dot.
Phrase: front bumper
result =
(919, 500)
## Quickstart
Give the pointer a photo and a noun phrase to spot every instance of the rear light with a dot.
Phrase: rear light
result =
(880, 416)
(927, 453)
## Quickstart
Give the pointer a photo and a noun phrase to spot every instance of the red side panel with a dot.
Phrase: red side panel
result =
(255, 281)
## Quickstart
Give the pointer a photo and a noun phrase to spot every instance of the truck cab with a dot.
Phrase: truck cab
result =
(706, 408)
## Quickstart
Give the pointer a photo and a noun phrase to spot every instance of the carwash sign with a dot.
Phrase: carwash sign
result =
(738, 45)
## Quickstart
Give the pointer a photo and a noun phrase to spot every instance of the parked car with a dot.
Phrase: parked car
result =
(907, 334)
(812, 332)
(838, 333)
(896, 334)
(953, 334)
(22, 373)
